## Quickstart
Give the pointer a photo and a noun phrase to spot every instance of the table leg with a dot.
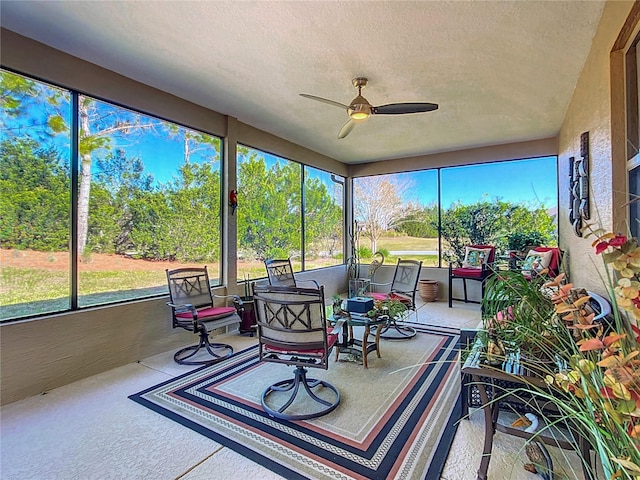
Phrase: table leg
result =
(490, 411)
(378, 331)
(365, 339)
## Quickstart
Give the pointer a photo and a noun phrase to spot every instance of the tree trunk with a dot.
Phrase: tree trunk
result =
(85, 183)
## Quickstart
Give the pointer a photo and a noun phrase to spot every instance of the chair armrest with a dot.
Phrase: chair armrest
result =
(308, 281)
(387, 284)
(337, 327)
(183, 308)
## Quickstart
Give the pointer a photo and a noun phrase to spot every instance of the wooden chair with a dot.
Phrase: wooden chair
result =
(477, 266)
(292, 329)
(192, 308)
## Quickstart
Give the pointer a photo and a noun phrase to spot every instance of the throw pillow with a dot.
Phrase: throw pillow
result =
(536, 261)
(475, 257)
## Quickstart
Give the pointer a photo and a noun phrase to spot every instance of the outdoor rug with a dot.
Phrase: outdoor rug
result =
(396, 420)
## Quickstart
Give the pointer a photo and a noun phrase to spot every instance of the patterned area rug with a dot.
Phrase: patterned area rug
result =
(396, 420)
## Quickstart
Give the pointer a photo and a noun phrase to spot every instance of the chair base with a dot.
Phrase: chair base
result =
(183, 356)
(393, 331)
(293, 385)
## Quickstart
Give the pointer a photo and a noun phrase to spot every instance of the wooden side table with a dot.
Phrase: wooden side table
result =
(355, 346)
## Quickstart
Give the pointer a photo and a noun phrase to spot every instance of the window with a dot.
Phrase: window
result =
(154, 202)
(397, 215)
(486, 203)
(271, 214)
(323, 219)
(148, 198)
(433, 214)
(35, 188)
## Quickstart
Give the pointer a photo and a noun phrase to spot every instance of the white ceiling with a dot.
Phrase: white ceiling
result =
(501, 71)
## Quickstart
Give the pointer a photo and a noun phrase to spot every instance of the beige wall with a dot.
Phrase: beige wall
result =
(590, 110)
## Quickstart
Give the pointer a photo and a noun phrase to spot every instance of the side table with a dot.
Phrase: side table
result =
(355, 346)
(502, 383)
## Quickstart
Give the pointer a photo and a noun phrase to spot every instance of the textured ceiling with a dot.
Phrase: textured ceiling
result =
(501, 71)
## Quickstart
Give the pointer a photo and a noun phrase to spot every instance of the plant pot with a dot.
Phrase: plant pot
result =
(248, 323)
(428, 290)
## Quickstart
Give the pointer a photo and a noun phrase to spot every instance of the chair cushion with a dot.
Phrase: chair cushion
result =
(467, 272)
(332, 338)
(210, 313)
(475, 257)
(537, 260)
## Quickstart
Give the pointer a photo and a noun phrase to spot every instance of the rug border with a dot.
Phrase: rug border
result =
(435, 469)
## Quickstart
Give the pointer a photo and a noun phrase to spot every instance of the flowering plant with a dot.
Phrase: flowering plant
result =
(603, 367)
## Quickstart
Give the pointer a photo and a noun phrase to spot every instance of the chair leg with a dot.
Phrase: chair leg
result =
(293, 385)
(184, 355)
(393, 331)
(464, 286)
(450, 291)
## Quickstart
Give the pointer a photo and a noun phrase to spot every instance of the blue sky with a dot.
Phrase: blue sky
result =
(528, 181)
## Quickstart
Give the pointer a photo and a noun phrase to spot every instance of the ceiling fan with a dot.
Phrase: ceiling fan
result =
(360, 109)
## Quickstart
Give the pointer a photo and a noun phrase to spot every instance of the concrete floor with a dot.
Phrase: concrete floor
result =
(91, 430)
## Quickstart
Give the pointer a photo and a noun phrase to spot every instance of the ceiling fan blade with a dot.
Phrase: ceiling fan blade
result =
(346, 128)
(324, 100)
(400, 108)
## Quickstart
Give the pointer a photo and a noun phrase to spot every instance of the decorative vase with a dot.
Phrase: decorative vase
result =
(428, 290)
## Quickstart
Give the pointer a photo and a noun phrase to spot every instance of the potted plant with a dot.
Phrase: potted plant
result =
(518, 316)
(594, 381)
(337, 304)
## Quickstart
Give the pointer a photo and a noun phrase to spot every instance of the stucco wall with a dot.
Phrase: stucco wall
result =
(590, 110)
(48, 352)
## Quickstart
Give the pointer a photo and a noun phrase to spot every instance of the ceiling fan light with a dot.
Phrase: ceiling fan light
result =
(360, 111)
(359, 115)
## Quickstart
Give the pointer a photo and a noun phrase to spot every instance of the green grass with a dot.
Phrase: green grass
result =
(31, 291)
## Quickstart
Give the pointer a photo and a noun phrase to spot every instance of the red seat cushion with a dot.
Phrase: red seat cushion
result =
(467, 272)
(389, 296)
(209, 313)
(332, 338)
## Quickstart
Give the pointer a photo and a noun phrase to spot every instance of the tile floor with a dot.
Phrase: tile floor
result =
(91, 430)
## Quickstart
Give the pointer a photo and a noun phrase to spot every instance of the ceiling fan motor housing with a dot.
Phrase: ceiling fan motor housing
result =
(359, 109)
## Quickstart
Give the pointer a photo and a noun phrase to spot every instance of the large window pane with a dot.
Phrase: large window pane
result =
(489, 203)
(323, 218)
(34, 198)
(269, 211)
(397, 215)
(149, 199)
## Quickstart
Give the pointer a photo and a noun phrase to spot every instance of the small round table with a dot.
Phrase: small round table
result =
(355, 346)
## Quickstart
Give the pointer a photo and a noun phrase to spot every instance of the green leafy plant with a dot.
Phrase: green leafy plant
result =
(519, 241)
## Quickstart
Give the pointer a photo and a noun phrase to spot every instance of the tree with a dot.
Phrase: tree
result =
(34, 205)
(486, 222)
(421, 223)
(99, 124)
(269, 217)
(378, 205)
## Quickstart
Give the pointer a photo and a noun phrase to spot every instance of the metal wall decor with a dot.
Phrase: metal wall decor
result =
(579, 187)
